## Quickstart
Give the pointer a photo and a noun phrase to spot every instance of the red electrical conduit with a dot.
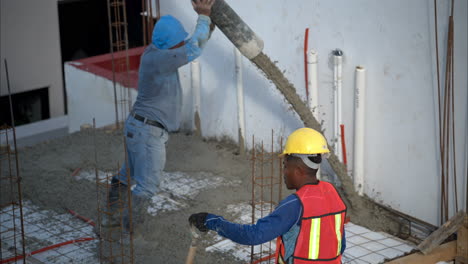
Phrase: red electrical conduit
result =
(82, 218)
(306, 47)
(75, 172)
(16, 258)
(343, 145)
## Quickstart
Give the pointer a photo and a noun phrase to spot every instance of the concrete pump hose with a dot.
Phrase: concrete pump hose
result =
(236, 30)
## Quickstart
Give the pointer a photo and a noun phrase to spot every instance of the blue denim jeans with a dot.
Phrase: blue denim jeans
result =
(146, 156)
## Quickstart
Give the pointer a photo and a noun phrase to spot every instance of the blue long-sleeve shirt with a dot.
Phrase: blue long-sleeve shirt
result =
(284, 221)
(159, 91)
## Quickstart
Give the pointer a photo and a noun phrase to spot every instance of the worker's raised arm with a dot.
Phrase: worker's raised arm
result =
(203, 29)
(280, 221)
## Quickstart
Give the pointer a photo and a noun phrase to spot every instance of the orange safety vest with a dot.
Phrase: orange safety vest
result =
(322, 226)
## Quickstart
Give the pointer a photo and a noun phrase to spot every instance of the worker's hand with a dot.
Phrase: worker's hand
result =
(198, 220)
(203, 7)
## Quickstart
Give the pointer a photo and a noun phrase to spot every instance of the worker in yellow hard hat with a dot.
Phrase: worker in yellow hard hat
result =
(308, 224)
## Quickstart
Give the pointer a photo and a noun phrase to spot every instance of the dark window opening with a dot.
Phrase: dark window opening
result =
(28, 107)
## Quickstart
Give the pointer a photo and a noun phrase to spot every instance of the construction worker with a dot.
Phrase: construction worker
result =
(309, 224)
(157, 110)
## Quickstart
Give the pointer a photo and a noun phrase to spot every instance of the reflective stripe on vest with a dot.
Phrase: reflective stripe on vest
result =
(314, 243)
(338, 232)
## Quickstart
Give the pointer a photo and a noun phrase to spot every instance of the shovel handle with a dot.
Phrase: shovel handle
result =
(191, 255)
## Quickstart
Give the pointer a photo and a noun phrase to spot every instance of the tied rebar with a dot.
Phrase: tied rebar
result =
(115, 241)
(118, 35)
(267, 184)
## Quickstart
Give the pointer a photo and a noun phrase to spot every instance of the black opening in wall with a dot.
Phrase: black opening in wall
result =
(84, 27)
(28, 107)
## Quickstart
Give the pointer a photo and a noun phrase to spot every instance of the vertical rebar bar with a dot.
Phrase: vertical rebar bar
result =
(1, 178)
(253, 194)
(262, 162)
(98, 200)
(129, 201)
(143, 22)
(1, 210)
(280, 163)
(272, 159)
(158, 10)
(452, 29)
(127, 81)
(13, 204)
(18, 177)
(109, 18)
(151, 16)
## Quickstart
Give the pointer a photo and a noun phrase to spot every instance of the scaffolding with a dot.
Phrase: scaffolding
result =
(118, 35)
(267, 171)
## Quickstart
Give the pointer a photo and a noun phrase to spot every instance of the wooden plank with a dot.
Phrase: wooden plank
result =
(442, 233)
(445, 252)
(462, 241)
(461, 260)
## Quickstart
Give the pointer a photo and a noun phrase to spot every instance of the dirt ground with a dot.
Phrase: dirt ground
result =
(46, 169)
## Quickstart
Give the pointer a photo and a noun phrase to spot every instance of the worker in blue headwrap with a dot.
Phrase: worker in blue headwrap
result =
(157, 110)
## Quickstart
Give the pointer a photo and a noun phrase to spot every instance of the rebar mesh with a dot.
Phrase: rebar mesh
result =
(12, 244)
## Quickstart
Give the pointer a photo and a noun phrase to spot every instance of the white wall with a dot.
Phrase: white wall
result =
(394, 40)
(30, 41)
(90, 96)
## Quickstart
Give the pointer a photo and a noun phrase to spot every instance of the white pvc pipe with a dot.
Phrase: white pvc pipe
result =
(240, 100)
(337, 65)
(359, 129)
(312, 72)
(196, 84)
(312, 83)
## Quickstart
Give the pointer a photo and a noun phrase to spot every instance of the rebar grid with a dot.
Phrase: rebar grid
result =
(11, 201)
(115, 242)
(267, 171)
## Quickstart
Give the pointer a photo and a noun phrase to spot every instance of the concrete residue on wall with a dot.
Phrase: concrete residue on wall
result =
(362, 210)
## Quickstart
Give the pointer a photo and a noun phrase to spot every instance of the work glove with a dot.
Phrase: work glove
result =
(198, 220)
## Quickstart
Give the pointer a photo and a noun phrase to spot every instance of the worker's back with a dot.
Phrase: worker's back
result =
(159, 92)
(322, 225)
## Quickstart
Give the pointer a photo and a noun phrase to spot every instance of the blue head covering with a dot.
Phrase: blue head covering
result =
(168, 32)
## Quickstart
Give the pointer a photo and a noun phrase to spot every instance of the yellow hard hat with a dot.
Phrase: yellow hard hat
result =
(306, 141)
